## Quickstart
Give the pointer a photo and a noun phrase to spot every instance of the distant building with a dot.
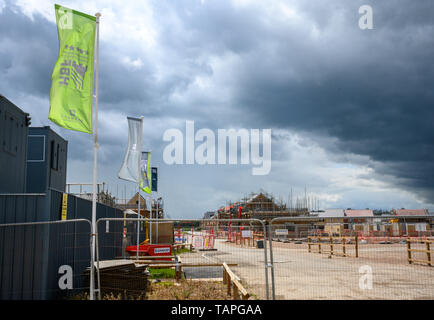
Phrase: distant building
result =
(332, 213)
(411, 212)
(133, 204)
(380, 212)
(262, 203)
(359, 213)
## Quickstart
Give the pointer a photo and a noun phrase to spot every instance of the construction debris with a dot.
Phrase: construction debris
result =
(121, 277)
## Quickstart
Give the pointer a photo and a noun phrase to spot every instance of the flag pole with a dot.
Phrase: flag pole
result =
(158, 213)
(140, 178)
(150, 223)
(95, 153)
(150, 199)
(138, 224)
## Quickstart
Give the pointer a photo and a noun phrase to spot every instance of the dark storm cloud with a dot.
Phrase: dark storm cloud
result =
(372, 89)
(28, 49)
(377, 103)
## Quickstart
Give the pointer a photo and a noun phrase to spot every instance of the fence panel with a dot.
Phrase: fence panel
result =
(181, 252)
(44, 260)
(352, 257)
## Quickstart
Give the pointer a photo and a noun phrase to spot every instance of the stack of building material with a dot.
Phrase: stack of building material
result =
(121, 277)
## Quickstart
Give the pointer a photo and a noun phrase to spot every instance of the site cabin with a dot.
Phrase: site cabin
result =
(14, 127)
(47, 154)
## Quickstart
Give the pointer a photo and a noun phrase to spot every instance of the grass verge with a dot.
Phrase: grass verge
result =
(181, 250)
(165, 273)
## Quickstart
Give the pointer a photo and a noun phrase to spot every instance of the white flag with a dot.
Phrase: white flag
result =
(130, 169)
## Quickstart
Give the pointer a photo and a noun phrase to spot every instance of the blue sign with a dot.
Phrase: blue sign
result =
(154, 178)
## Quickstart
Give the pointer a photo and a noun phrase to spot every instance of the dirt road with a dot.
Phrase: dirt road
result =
(380, 272)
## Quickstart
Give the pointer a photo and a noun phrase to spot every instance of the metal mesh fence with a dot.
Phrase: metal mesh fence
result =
(299, 258)
(352, 258)
(182, 259)
(44, 260)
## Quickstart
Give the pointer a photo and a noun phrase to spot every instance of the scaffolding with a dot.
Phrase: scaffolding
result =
(260, 206)
(103, 196)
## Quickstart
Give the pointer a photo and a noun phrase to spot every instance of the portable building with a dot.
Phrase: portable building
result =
(46, 160)
(13, 149)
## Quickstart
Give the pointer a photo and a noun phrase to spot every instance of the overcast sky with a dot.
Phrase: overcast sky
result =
(351, 111)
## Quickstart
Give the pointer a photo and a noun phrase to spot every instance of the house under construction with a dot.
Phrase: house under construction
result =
(258, 206)
(129, 205)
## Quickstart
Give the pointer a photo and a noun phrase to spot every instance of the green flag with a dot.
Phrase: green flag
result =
(145, 169)
(71, 92)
